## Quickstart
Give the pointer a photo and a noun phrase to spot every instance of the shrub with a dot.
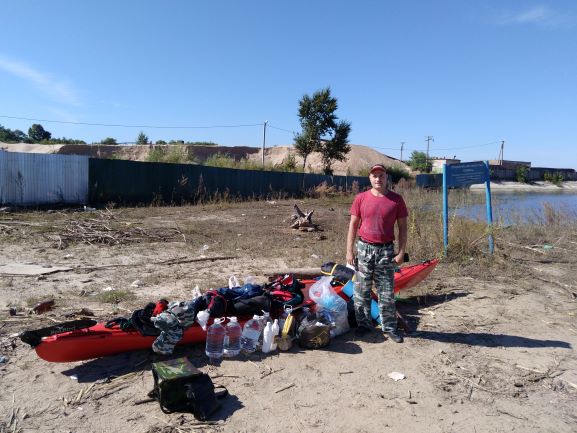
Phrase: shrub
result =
(289, 164)
(397, 172)
(170, 154)
(109, 140)
(522, 174)
(221, 160)
(555, 178)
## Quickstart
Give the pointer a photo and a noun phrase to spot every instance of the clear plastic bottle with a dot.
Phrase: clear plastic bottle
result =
(250, 334)
(215, 340)
(282, 318)
(264, 320)
(232, 338)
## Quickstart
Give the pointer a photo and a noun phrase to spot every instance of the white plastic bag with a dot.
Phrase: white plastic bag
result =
(196, 293)
(320, 290)
(233, 282)
(323, 294)
(202, 318)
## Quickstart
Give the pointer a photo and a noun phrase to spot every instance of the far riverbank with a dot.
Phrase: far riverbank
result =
(540, 186)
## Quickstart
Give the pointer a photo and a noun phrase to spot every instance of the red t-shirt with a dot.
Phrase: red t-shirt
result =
(378, 215)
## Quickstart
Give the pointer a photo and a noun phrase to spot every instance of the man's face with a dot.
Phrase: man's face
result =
(378, 179)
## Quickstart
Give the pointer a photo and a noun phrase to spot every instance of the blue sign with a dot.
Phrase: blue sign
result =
(467, 173)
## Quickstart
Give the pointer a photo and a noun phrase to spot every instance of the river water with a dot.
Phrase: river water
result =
(511, 207)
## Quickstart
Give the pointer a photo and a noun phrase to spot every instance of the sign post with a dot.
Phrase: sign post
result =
(467, 173)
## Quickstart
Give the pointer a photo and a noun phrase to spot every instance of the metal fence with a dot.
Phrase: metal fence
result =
(122, 181)
(33, 179)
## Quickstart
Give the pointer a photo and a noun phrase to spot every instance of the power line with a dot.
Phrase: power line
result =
(465, 147)
(132, 126)
(280, 129)
(435, 148)
(221, 126)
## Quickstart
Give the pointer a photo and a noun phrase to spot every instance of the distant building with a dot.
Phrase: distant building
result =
(509, 164)
(437, 163)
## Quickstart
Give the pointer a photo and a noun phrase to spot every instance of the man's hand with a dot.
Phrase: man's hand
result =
(350, 258)
(399, 259)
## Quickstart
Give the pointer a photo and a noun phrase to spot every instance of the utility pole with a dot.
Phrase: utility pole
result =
(263, 141)
(501, 152)
(428, 140)
(402, 144)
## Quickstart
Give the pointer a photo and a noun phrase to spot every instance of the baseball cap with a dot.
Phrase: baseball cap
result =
(377, 167)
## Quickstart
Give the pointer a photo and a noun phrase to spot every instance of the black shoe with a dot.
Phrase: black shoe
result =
(394, 335)
(361, 331)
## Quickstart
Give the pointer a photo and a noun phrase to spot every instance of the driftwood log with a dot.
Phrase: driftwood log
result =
(303, 221)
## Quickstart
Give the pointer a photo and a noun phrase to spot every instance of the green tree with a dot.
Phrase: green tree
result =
(37, 133)
(418, 161)
(109, 140)
(142, 138)
(522, 174)
(321, 130)
(336, 148)
(9, 136)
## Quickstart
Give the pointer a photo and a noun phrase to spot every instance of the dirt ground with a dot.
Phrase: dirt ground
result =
(492, 347)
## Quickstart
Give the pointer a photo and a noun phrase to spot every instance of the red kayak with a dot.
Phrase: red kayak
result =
(98, 341)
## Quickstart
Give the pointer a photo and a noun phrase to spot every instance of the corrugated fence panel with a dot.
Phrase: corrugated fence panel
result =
(34, 178)
(144, 182)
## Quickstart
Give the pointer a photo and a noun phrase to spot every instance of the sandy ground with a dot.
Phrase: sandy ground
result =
(487, 352)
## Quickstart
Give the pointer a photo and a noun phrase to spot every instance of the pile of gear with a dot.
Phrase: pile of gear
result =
(280, 302)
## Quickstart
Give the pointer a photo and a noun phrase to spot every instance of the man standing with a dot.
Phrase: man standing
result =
(376, 211)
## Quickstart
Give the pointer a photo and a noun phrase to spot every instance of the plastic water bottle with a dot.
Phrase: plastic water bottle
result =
(287, 310)
(250, 335)
(264, 319)
(232, 338)
(215, 340)
(275, 331)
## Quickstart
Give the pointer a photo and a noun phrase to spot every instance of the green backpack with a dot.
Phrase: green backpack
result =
(180, 387)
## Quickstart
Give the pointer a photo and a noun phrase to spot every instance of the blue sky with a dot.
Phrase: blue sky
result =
(467, 73)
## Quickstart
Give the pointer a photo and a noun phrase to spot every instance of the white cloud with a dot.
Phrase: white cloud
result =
(536, 15)
(59, 90)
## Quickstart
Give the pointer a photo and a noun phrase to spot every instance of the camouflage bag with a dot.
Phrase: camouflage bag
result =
(180, 387)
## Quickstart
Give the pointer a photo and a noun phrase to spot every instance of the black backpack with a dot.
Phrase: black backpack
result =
(311, 333)
(180, 387)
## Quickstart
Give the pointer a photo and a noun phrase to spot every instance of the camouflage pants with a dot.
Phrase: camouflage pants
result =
(172, 323)
(375, 264)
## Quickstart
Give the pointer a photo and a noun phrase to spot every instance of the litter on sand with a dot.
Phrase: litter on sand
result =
(396, 376)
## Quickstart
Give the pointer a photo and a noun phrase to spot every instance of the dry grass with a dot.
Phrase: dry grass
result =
(261, 229)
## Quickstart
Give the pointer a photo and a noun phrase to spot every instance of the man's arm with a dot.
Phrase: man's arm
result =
(402, 226)
(351, 236)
